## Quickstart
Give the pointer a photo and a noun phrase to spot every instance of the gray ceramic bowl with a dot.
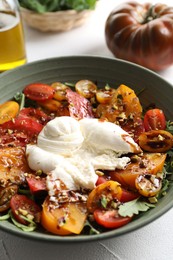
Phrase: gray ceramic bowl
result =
(102, 70)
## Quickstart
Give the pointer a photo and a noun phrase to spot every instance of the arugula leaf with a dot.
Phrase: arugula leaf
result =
(92, 231)
(169, 126)
(162, 192)
(104, 201)
(23, 227)
(31, 227)
(169, 162)
(69, 84)
(4, 217)
(134, 207)
(20, 98)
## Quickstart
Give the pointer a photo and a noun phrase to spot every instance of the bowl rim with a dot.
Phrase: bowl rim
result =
(84, 238)
(87, 56)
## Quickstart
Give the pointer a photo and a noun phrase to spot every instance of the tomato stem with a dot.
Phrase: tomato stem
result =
(150, 15)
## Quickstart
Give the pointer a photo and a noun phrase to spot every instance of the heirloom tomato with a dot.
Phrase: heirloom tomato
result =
(39, 91)
(156, 141)
(8, 111)
(65, 220)
(154, 119)
(145, 164)
(22, 208)
(110, 218)
(108, 192)
(141, 33)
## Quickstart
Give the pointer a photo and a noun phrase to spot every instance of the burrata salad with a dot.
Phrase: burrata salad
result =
(81, 159)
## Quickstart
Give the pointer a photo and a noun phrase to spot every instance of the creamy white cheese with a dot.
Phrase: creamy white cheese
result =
(71, 151)
(104, 136)
(40, 159)
(61, 135)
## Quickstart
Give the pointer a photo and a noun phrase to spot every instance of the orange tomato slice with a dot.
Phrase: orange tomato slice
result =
(149, 164)
(8, 110)
(110, 190)
(124, 104)
(67, 219)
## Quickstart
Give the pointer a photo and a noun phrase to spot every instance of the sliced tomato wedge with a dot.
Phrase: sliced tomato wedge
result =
(8, 110)
(36, 114)
(156, 141)
(36, 184)
(67, 219)
(39, 91)
(134, 127)
(13, 139)
(128, 195)
(5, 195)
(22, 206)
(24, 128)
(154, 119)
(110, 218)
(79, 106)
(148, 185)
(109, 190)
(24, 124)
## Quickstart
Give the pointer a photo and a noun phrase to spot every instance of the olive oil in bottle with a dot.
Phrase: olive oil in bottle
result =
(12, 45)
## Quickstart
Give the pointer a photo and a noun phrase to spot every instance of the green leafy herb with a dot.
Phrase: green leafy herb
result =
(134, 207)
(42, 6)
(4, 217)
(140, 92)
(20, 98)
(107, 87)
(31, 227)
(92, 231)
(169, 126)
(104, 201)
(26, 192)
(162, 192)
(169, 162)
(69, 84)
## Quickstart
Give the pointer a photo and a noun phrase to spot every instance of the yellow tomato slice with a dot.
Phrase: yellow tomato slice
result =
(147, 164)
(86, 88)
(104, 96)
(148, 185)
(124, 105)
(130, 101)
(60, 91)
(156, 141)
(64, 220)
(8, 110)
(110, 190)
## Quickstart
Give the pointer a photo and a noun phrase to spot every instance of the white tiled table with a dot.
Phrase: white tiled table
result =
(152, 242)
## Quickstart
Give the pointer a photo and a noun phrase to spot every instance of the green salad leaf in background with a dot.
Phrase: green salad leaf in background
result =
(42, 6)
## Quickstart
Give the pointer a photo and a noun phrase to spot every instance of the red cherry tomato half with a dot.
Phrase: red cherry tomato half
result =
(128, 195)
(110, 218)
(154, 119)
(36, 184)
(23, 206)
(39, 91)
